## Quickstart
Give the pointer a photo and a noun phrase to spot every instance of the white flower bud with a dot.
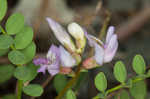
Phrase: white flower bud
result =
(78, 33)
(61, 35)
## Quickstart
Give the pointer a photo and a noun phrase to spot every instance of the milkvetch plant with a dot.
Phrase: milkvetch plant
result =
(64, 62)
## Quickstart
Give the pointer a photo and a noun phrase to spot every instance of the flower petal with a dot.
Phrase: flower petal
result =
(40, 61)
(61, 34)
(111, 49)
(78, 33)
(99, 54)
(110, 33)
(42, 69)
(76, 30)
(92, 40)
(99, 51)
(66, 59)
(53, 69)
(109, 56)
(112, 44)
(53, 53)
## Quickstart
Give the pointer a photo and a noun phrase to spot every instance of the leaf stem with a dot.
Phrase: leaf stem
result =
(3, 31)
(114, 89)
(123, 85)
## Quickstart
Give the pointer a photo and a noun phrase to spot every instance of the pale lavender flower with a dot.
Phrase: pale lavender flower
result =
(61, 34)
(104, 52)
(56, 57)
(51, 62)
(76, 32)
(66, 58)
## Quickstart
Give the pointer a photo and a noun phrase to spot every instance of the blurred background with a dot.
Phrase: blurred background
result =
(130, 17)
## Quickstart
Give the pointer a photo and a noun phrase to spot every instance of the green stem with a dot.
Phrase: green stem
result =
(114, 89)
(123, 85)
(20, 83)
(19, 91)
(69, 84)
(3, 31)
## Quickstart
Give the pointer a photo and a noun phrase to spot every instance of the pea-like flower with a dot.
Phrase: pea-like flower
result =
(78, 33)
(57, 57)
(61, 35)
(75, 30)
(66, 58)
(51, 62)
(104, 52)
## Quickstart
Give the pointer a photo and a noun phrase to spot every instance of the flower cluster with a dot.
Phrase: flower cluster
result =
(62, 59)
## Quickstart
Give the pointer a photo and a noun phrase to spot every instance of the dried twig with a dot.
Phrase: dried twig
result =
(47, 81)
(42, 13)
(134, 24)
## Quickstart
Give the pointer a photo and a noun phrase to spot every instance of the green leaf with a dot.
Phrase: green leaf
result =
(70, 95)
(21, 73)
(101, 82)
(138, 90)
(80, 81)
(129, 83)
(3, 8)
(6, 72)
(26, 73)
(32, 72)
(139, 64)
(123, 95)
(34, 90)
(24, 38)
(14, 23)
(3, 52)
(29, 52)
(120, 72)
(16, 57)
(9, 96)
(60, 82)
(5, 41)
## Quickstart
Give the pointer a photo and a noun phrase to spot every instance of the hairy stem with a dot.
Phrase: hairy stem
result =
(19, 89)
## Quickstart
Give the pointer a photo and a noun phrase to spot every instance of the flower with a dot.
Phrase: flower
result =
(51, 62)
(78, 33)
(75, 30)
(66, 58)
(61, 35)
(57, 57)
(104, 52)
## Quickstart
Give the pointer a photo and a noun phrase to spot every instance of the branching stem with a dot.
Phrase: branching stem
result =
(19, 82)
